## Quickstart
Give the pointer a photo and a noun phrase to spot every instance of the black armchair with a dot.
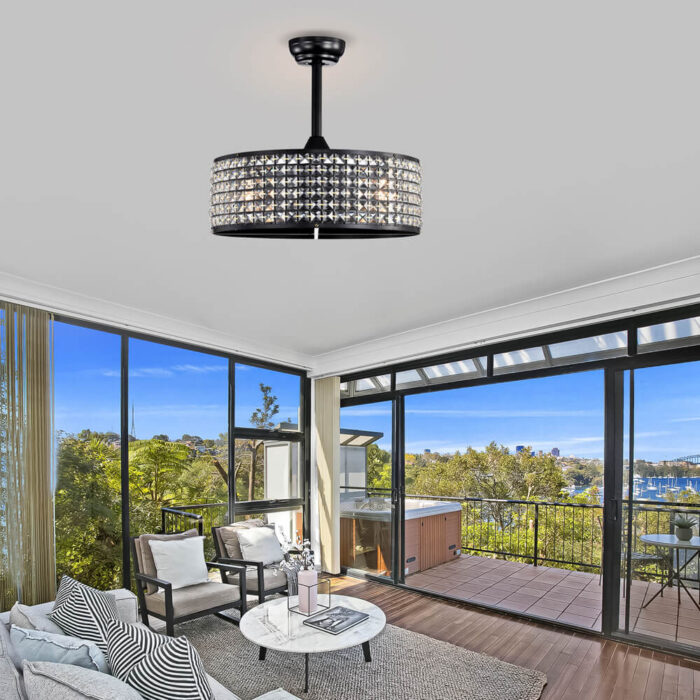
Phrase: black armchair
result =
(158, 598)
(261, 580)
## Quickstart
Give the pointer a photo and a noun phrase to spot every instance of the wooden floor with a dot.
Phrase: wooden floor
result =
(573, 597)
(577, 665)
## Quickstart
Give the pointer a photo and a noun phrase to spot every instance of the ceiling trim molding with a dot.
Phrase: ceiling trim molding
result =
(660, 287)
(86, 308)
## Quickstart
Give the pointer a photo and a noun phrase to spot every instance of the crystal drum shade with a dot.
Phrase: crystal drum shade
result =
(316, 193)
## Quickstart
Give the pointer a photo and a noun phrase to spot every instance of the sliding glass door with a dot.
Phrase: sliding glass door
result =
(659, 583)
(503, 488)
(368, 499)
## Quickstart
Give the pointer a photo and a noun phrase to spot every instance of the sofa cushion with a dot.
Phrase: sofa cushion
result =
(44, 680)
(181, 562)
(35, 645)
(11, 687)
(158, 667)
(273, 578)
(145, 557)
(81, 611)
(34, 617)
(194, 599)
(260, 544)
(229, 536)
(128, 644)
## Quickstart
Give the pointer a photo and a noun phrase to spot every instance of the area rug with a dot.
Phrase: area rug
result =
(405, 666)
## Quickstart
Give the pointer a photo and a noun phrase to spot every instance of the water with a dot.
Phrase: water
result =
(657, 488)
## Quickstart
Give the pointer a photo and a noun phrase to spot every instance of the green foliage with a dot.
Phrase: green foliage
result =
(88, 511)
(88, 497)
(493, 473)
(249, 454)
(684, 521)
(378, 467)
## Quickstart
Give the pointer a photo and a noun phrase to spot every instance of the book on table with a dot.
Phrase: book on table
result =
(336, 620)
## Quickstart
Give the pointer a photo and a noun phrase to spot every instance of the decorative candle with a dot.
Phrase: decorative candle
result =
(308, 590)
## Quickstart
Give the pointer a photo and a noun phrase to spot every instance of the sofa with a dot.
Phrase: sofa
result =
(30, 680)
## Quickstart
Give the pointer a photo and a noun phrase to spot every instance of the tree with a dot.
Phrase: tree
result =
(260, 418)
(155, 468)
(88, 510)
(378, 467)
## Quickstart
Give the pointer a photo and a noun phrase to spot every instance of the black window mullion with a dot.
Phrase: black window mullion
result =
(231, 440)
(124, 458)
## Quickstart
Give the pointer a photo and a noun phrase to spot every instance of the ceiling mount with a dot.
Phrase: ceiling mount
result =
(328, 49)
(316, 192)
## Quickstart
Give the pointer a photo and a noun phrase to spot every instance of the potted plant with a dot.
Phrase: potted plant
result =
(684, 527)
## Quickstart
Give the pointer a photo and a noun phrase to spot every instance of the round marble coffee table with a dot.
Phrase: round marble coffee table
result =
(271, 625)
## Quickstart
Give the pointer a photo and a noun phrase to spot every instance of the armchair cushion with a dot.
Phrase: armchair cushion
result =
(273, 578)
(145, 557)
(260, 544)
(181, 562)
(194, 599)
(229, 536)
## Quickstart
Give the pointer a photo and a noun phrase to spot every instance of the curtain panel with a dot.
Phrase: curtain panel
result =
(27, 550)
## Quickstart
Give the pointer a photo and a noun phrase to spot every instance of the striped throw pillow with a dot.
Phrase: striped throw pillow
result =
(158, 667)
(82, 611)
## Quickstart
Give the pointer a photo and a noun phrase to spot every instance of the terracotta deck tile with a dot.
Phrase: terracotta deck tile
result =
(559, 594)
(583, 611)
(577, 620)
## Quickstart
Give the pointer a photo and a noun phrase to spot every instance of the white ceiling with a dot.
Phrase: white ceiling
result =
(559, 142)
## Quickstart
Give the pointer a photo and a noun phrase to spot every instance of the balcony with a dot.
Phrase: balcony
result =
(541, 559)
(544, 559)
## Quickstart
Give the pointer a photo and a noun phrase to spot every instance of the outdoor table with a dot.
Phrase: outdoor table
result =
(672, 543)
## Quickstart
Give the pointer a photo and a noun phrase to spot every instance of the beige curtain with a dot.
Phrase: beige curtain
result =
(327, 440)
(27, 556)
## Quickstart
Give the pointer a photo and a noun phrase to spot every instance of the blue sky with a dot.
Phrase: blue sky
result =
(564, 411)
(173, 391)
(177, 391)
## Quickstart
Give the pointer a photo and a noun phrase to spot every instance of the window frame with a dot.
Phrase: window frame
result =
(235, 508)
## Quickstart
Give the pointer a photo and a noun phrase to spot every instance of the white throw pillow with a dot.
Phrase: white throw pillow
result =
(180, 561)
(260, 544)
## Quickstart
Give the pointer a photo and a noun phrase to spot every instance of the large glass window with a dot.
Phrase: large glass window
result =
(88, 469)
(267, 399)
(267, 470)
(178, 442)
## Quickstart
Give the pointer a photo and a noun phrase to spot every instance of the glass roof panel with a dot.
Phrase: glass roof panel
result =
(506, 360)
(683, 332)
(410, 376)
(591, 346)
(368, 385)
(443, 373)
(450, 369)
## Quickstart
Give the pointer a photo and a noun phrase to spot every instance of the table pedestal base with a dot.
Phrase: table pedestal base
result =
(262, 654)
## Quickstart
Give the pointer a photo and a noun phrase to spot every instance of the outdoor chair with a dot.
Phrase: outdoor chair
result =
(637, 558)
(158, 598)
(260, 579)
